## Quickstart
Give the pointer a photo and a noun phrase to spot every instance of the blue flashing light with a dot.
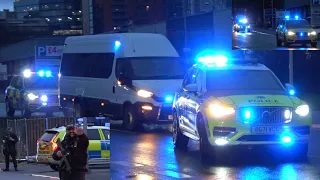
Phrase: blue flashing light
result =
(296, 17)
(41, 73)
(247, 116)
(48, 74)
(117, 44)
(244, 20)
(286, 139)
(281, 26)
(287, 17)
(211, 61)
(168, 99)
(292, 92)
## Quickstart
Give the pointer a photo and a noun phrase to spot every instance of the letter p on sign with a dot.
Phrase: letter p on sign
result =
(41, 51)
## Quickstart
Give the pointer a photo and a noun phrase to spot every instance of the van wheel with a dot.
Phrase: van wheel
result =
(179, 140)
(54, 167)
(130, 121)
(206, 151)
(9, 109)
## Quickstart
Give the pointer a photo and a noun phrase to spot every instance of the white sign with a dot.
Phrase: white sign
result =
(49, 52)
(282, 14)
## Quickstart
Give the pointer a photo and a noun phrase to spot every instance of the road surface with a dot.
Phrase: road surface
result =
(38, 172)
(151, 155)
(262, 39)
(18, 113)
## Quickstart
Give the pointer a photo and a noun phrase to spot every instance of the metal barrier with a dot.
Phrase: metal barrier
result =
(30, 130)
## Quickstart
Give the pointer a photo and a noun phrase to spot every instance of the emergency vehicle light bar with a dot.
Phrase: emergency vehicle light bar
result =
(42, 73)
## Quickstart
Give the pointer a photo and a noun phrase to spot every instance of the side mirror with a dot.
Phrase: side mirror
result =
(290, 89)
(124, 79)
(191, 88)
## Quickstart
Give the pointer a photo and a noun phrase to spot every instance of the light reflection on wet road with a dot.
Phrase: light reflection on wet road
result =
(151, 155)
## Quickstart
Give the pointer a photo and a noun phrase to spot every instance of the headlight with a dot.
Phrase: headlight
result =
(302, 110)
(290, 33)
(221, 111)
(313, 33)
(32, 97)
(44, 98)
(144, 93)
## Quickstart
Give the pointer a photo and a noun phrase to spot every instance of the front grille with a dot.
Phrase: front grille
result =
(266, 115)
(302, 33)
(259, 138)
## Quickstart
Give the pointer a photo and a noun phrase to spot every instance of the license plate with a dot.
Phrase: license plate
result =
(266, 129)
(170, 117)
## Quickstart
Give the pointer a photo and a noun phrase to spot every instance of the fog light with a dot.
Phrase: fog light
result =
(221, 142)
(44, 98)
(148, 108)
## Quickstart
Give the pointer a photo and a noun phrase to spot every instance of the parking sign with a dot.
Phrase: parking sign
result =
(49, 52)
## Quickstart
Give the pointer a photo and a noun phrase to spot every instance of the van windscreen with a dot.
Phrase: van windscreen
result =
(145, 68)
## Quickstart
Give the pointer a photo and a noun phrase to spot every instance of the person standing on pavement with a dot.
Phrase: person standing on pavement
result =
(9, 141)
(75, 145)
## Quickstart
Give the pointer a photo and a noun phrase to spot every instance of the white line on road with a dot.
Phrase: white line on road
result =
(263, 33)
(44, 176)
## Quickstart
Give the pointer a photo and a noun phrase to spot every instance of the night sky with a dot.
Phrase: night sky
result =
(6, 4)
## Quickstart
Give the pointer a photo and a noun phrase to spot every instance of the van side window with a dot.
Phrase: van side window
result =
(92, 65)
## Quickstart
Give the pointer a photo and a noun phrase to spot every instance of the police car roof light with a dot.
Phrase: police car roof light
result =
(48, 73)
(219, 61)
(287, 17)
(41, 73)
(27, 73)
(244, 20)
(296, 17)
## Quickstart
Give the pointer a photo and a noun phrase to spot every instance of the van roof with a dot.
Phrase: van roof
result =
(131, 45)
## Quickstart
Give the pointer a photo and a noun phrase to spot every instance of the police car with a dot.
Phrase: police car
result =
(241, 24)
(226, 104)
(295, 31)
(98, 151)
(32, 92)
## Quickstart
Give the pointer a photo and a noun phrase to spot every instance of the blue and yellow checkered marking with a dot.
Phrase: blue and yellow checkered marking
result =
(14, 95)
(99, 149)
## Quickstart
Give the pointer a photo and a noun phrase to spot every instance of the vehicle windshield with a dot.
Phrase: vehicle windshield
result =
(242, 80)
(41, 83)
(298, 24)
(145, 68)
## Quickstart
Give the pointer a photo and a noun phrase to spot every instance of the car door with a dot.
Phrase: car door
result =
(105, 143)
(94, 150)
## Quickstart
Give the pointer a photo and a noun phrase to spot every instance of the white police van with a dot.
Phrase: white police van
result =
(131, 76)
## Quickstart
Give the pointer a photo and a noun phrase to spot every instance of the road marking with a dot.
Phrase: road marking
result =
(44, 176)
(127, 164)
(263, 33)
(315, 126)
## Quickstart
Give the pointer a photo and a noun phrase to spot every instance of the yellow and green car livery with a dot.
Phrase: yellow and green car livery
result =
(98, 150)
(238, 104)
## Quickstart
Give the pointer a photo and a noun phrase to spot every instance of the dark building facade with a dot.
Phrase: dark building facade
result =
(63, 16)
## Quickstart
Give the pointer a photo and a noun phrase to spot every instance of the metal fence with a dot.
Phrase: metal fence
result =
(29, 131)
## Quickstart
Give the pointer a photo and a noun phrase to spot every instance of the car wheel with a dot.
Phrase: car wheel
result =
(9, 109)
(206, 151)
(25, 111)
(54, 167)
(179, 140)
(314, 44)
(130, 121)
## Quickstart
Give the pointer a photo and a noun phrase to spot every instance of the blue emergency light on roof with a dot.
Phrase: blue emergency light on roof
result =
(48, 73)
(168, 99)
(213, 61)
(287, 17)
(27, 73)
(296, 17)
(292, 92)
(244, 20)
(117, 45)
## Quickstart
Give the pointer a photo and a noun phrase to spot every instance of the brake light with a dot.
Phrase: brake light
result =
(38, 140)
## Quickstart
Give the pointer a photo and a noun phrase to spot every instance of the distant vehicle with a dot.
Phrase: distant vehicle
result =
(99, 146)
(33, 91)
(238, 104)
(131, 76)
(295, 31)
(241, 24)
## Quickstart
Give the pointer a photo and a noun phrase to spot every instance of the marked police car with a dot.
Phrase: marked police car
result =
(32, 92)
(295, 31)
(241, 104)
(241, 24)
(98, 151)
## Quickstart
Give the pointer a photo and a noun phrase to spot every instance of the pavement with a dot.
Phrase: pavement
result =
(38, 172)
(151, 155)
(262, 39)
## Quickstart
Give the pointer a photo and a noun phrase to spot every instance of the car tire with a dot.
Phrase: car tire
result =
(54, 167)
(9, 109)
(207, 152)
(179, 140)
(314, 44)
(130, 120)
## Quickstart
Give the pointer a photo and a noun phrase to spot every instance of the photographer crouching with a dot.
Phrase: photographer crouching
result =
(72, 152)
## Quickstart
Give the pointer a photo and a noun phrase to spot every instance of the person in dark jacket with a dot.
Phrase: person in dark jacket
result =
(9, 141)
(77, 147)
